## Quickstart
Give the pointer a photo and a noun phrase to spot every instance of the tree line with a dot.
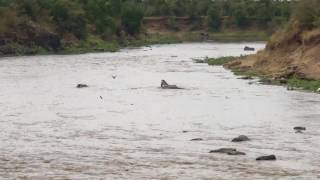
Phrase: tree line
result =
(224, 13)
(110, 19)
(113, 16)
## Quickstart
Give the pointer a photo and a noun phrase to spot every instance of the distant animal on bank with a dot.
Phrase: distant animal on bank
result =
(248, 48)
(165, 85)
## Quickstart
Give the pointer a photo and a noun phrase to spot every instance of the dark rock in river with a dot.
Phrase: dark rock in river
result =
(240, 138)
(248, 48)
(246, 78)
(82, 86)
(267, 158)
(299, 128)
(223, 150)
(197, 139)
(299, 131)
(229, 151)
(235, 153)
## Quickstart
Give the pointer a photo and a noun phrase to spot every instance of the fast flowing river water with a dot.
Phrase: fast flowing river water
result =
(129, 128)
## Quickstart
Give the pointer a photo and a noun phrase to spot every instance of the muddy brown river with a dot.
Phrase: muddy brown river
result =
(129, 128)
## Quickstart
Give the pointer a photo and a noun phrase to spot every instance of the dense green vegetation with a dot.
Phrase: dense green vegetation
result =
(36, 26)
(310, 85)
(224, 13)
(220, 61)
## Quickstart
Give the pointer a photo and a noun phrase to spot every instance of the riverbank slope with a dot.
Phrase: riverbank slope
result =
(292, 52)
(297, 54)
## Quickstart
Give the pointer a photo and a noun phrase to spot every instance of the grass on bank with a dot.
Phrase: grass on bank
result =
(180, 37)
(96, 44)
(220, 61)
(238, 36)
(309, 85)
(92, 44)
(292, 83)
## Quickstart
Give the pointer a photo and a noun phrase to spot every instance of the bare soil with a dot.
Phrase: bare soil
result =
(300, 59)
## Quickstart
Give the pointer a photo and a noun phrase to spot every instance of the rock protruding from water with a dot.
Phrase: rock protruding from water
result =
(241, 138)
(299, 128)
(197, 139)
(267, 158)
(247, 48)
(82, 86)
(229, 151)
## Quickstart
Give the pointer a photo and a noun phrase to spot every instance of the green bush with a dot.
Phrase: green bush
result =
(214, 18)
(172, 23)
(70, 17)
(132, 17)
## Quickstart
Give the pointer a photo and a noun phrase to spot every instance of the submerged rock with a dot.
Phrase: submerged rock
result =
(299, 128)
(235, 153)
(267, 158)
(82, 86)
(240, 138)
(171, 87)
(229, 151)
(223, 150)
(299, 131)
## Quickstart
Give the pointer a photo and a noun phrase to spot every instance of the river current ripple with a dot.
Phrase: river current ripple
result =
(129, 128)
